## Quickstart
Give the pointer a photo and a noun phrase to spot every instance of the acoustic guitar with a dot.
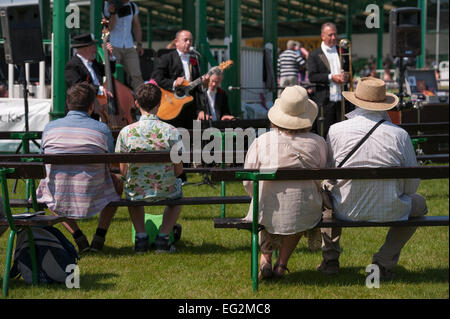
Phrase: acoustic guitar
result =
(173, 102)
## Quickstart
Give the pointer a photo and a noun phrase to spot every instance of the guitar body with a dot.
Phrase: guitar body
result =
(172, 103)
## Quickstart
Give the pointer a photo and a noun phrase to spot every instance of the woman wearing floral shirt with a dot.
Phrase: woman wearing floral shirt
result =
(155, 181)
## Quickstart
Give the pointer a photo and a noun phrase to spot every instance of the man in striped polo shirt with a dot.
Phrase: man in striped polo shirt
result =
(79, 191)
(289, 64)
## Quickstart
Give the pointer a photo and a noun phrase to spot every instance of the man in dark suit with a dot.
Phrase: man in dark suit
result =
(216, 107)
(175, 67)
(83, 67)
(325, 71)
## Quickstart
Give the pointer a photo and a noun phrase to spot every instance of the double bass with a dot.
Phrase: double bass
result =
(115, 111)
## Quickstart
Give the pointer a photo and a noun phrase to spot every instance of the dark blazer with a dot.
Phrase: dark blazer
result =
(76, 72)
(168, 68)
(318, 71)
(220, 105)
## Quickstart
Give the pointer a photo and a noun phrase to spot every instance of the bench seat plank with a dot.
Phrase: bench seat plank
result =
(212, 200)
(240, 223)
(45, 220)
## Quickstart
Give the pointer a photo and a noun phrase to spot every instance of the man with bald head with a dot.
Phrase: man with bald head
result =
(175, 67)
(325, 71)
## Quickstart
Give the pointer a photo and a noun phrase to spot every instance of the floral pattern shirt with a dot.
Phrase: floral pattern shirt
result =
(149, 181)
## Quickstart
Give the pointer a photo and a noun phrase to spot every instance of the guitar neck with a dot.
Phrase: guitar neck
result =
(198, 81)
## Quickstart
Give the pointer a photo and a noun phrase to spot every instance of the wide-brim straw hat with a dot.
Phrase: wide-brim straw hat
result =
(370, 94)
(293, 110)
(83, 40)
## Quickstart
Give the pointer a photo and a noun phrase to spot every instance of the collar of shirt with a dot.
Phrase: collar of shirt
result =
(184, 56)
(148, 117)
(212, 93)
(77, 113)
(327, 49)
(373, 115)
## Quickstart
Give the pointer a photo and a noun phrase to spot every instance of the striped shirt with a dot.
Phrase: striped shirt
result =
(388, 146)
(289, 62)
(76, 191)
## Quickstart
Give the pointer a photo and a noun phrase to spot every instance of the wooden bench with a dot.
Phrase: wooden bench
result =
(425, 172)
(27, 170)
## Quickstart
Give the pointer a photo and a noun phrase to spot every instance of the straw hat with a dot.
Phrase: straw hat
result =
(370, 94)
(293, 110)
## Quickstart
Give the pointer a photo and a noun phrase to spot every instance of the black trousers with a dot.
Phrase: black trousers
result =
(329, 113)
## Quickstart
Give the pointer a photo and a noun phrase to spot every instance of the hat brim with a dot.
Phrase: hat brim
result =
(389, 102)
(304, 120)
(80, 45)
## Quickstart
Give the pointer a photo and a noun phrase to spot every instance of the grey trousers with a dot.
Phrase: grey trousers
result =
(396, 238)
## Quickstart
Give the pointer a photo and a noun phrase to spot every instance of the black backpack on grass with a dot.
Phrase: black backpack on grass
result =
(54, 252)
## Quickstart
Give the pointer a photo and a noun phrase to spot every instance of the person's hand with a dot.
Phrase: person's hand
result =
(227, 118)
(202, 116)
(179, 81)
(205, 80)
(112, 9)
(109, 48)
(139, 49)
(108, 93)
(338, 78)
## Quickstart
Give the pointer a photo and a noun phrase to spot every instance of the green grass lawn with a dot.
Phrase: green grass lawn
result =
(215, 263)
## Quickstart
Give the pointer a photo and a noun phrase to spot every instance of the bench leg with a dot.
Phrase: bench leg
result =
(34, 265)
(254, 258)
(9, 252)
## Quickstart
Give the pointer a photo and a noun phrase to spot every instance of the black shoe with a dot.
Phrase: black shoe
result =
(163, 244)
(141, 245)
(83, 244)
(385, 274)
(97, 243)
(176, 232)
(330, 267)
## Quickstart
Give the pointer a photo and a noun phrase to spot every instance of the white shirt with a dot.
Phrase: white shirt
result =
(388, 146)
(185, 57)
(212, 102)
(335, 68)
(121, 36)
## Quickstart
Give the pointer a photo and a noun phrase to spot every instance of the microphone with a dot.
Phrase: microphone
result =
(231, 88)
(192, 50)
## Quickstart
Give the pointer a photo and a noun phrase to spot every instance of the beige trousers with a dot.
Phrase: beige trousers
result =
(130, 61)
(396, 238)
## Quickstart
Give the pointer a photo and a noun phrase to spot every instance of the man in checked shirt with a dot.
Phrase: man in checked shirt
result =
(372, 200)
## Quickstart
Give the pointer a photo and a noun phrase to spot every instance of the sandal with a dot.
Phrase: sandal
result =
(265, 271)
(279, 273)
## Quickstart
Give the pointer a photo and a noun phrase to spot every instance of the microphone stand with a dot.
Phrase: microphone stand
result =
(205, 179)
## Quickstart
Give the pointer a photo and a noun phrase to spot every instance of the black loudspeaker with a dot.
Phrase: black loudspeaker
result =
(21, 27)
(405, 32)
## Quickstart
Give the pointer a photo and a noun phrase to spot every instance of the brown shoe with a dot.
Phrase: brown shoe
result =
(330, 267)
(265, 271)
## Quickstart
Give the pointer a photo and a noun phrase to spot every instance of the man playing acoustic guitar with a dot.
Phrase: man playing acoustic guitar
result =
(171, 72)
